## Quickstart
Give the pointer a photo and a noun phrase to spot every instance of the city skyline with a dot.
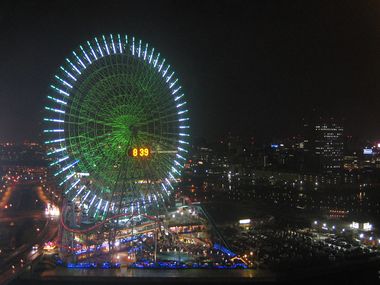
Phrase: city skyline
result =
(195, 141)
(256, 76)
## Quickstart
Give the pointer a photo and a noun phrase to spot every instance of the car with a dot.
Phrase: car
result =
(35, 247)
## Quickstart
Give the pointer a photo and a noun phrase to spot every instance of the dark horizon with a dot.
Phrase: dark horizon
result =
(249, 68)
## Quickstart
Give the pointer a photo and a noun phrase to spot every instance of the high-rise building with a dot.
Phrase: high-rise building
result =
(329, 145)
(323, 145)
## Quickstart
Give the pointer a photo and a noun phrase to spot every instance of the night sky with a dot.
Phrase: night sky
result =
(250, 67)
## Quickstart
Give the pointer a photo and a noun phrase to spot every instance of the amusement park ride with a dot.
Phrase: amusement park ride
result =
(117, 130)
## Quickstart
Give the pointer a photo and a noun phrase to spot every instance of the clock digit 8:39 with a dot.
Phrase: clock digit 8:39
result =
(138, 152)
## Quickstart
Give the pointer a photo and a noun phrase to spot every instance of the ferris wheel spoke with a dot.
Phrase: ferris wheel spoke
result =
(159, 139)
(164, 164)
(108, 112)
(81, 120)
(71, 138)
(158, 119)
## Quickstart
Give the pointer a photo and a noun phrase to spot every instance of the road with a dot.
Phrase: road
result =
(35, 215)
(26, 224)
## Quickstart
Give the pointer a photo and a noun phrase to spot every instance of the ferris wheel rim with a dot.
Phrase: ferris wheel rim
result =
(63, 86)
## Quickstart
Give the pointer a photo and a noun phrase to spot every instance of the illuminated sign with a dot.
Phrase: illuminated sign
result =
(274, 145)
(367, 227)
(139, 152)
(245, 221)
(367, 151)
(354, 225)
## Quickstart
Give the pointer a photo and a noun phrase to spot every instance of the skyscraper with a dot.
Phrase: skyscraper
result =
(329, 145)
(323, 145)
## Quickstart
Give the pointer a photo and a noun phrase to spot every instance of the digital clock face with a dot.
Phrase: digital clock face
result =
(139, 152)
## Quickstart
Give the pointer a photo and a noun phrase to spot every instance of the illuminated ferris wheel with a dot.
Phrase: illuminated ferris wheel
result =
(116, 126)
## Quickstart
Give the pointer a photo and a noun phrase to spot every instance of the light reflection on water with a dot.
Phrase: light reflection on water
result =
(160, 273)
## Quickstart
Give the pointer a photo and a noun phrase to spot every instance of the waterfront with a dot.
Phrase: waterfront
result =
(356, 272)
(62, 275)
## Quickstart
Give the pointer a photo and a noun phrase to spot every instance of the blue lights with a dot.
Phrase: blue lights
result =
(181, 265)
(224, 250)
(88, 265)
(151, 265)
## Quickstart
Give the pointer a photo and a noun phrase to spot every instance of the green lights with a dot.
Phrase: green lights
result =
(115, 117)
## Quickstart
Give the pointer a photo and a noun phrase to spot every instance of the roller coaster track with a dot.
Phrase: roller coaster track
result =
(105, 221)
(208, 216)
